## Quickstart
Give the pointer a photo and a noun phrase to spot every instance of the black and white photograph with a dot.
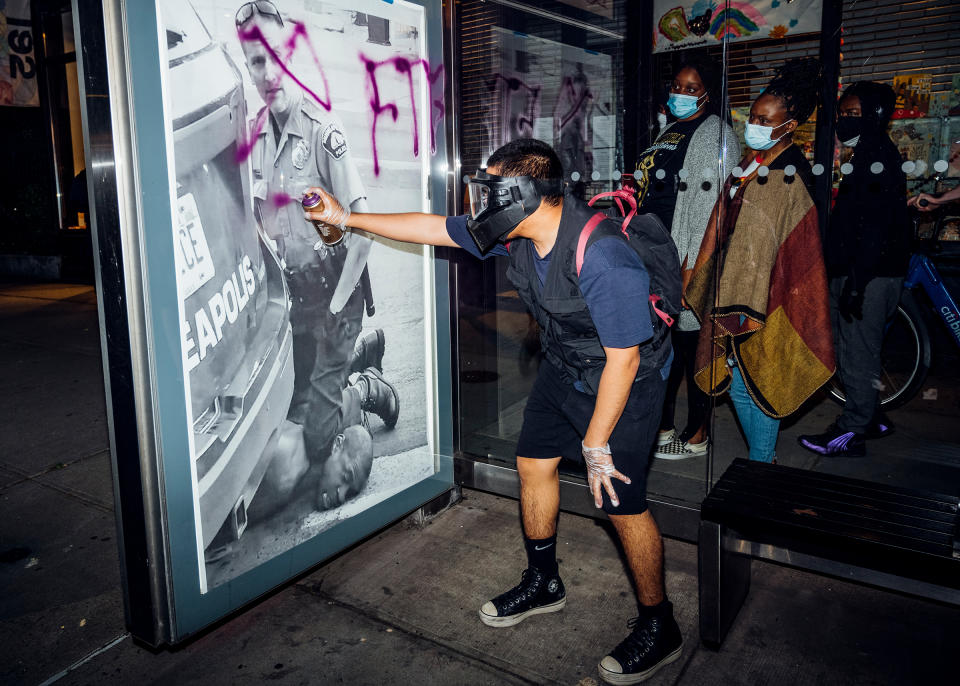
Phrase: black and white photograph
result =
(307, 349)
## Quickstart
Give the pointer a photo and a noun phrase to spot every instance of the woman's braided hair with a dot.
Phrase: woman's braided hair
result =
(797, 85)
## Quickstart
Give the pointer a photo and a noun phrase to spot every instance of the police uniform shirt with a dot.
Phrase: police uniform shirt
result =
(311, 151)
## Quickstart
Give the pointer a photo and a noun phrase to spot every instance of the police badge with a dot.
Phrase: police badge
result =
(300, 154)
(334, 142)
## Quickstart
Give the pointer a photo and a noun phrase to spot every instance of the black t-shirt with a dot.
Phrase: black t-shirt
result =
(658, 192)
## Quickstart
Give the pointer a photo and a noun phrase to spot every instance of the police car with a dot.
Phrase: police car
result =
(236, 336)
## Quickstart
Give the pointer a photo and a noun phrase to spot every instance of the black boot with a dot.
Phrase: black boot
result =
(378, 396)
(368, 352)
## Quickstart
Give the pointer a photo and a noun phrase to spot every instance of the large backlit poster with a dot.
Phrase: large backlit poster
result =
(308, 366)
(557, 93)
(691, 23)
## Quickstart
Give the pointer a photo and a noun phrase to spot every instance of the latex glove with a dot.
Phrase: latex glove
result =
(850, 305)
(600, 469)
(329, 210)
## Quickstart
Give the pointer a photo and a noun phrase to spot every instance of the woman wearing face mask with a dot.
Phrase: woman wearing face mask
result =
(868, 252)
(759, 284)
(683, 203)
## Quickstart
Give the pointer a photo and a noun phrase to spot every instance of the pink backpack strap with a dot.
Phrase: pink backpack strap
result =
(654, 300)
(585, 233)
(619, 197)
(588, 229)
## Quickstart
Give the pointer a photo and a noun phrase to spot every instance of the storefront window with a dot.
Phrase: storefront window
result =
(557, 72)
(63, 99)
(885, 129)
(551, 71)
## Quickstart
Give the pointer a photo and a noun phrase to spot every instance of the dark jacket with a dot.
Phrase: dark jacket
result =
(869, 234)
(567, 333)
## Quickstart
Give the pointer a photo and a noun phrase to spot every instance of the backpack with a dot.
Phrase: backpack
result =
(649, 238)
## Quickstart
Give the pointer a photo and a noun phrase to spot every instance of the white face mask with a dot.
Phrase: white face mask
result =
(661, 120)
(852, 142)
(761, 137)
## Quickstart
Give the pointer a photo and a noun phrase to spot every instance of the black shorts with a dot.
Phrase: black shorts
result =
(557, 416)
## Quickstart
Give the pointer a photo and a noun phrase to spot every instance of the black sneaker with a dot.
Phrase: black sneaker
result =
(880, 427)
(535, 594)
(654, 642)
(835, 442)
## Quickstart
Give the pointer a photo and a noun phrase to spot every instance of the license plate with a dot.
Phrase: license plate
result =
(194, 264)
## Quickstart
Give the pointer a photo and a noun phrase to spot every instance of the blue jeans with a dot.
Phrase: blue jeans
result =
(761, 429)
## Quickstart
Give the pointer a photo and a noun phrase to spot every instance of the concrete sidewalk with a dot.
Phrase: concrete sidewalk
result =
(399, 608)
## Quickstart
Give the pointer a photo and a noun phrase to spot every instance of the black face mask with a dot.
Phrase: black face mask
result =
(849, 128)
(499, 203)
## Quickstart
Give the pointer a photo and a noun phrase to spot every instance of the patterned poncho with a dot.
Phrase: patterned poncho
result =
(769, 308)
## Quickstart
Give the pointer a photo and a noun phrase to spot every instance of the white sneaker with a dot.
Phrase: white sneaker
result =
(681, 450)
(664, 437)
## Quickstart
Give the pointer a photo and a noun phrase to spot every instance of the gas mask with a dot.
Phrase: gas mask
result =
(499, 203)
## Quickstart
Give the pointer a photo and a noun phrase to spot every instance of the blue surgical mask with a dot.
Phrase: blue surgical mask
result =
(682, 105)
(761, 137)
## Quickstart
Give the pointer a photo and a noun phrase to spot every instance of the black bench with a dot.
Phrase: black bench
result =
(886, 536)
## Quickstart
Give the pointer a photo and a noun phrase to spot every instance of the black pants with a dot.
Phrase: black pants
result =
(859, 343)
(556, 418)
(322, 347)
(698, 402)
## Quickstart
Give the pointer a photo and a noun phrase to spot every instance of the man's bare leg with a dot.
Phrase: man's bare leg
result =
(644, 550)
(655, 640)
(539, 496)
(540, 590)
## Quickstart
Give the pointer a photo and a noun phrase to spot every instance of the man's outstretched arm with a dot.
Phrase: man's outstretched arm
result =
(409, 227)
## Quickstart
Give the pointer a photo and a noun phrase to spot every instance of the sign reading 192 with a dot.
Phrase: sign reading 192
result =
(21, 45)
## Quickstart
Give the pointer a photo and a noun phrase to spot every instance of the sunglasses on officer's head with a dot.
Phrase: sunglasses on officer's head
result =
(263, 7)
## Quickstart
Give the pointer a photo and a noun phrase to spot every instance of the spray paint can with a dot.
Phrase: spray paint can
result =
(330, 235)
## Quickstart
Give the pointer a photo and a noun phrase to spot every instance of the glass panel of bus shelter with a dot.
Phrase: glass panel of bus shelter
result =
(552, 71)
(902, 61)
(869, 236)
(689, 148)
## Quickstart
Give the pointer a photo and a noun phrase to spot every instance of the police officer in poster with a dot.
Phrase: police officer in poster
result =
(297, 145)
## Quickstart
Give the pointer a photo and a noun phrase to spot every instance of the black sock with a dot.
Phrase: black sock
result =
(662, 609)
(542, 554)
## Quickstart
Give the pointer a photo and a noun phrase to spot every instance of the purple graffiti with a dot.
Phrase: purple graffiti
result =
(404, 66)
(515, 85)
(290, 46)
(570, 91)
(280, 199)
